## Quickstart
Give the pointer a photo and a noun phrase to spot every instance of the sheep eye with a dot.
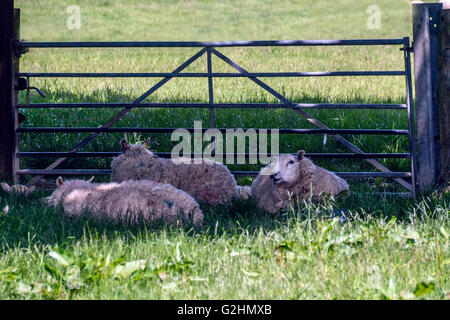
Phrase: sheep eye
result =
(291, 162)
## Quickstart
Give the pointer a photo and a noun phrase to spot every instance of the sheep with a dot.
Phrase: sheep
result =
(288, 177)
(209, 182)
(126, 202)
(17, 189)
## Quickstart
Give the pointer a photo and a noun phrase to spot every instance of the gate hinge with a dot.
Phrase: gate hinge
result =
(17, 48)
(408, 49)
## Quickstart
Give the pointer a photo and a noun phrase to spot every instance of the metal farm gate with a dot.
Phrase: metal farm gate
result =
(211, 49)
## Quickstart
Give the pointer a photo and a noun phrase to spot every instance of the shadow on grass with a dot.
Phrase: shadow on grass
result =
(29, 222)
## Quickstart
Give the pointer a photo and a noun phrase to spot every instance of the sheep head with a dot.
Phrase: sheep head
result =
(285, 170)
(135, 150)
(66, 187)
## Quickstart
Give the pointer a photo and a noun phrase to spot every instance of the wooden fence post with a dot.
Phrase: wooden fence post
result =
(6, 87)
(444, 93)
(425, 35)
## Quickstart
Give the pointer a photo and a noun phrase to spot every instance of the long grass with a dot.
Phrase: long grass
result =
(387, 250)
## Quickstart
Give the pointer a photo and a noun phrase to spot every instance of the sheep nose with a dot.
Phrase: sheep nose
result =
(274, 176)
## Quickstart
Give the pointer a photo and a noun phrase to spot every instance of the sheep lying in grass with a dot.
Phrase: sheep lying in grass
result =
(127, 202)
(210, 182)
(282, 181)
(17, 189)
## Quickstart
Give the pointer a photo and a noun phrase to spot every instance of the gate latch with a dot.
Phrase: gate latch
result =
(22, 85)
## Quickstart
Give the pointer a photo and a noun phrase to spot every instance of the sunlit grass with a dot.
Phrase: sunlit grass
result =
(382, 250)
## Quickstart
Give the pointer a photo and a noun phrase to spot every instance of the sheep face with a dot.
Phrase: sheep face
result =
(65, 188)
(284, 171)
(135, 150)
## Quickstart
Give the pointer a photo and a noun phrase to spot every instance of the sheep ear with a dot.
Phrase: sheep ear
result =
(6, 187)
(300, 154)
(147, 143)
(91, 179)
(124, 145)
(59, 182)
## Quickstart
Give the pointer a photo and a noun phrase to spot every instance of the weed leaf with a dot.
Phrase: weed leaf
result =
(423, 288)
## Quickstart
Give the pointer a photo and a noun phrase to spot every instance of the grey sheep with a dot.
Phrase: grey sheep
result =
(210, 182)
(126, 202)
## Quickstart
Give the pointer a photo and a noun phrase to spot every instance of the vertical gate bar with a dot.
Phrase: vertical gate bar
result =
(410, 110)
(212, 118)
(28, 90)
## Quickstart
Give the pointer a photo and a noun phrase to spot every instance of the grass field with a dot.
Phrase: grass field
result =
(385, 247)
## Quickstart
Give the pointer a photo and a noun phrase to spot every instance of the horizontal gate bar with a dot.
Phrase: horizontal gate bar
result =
(343, 174)
(62, 172)
(384, 194)
(237, 173)
(194, 44)
(215, 105)
(215, 75)
(247, 155)
(223, 130)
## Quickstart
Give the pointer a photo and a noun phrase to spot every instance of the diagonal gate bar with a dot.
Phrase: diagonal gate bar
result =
(310, 118)
(119, 115)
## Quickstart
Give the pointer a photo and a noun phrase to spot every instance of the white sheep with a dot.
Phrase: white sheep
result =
(210, 182)
(17, 188)
(127, 202)
(289, 177)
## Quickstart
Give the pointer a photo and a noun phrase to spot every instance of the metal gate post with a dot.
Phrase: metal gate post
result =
(425, 32)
